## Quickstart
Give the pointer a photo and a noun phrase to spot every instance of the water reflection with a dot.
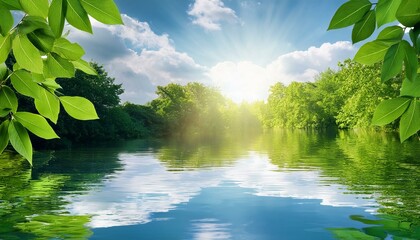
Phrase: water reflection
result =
(146, 187)
(210, 229)
(282, 184)
(143, 187)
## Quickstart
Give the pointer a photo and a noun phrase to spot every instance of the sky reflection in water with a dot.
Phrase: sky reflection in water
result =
(216, 203)
(291, 185)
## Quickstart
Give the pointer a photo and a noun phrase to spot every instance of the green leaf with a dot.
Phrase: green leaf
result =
(35, 7)
(42, 39)
(51, 84)
(392, 34)
(38, 78)
(57, 16)
(27, 55)
(350, 13)
(4, 112)
(393, 61)
(65, 48)
(11, 4)
(79, 108)
(389, 110)
(8, 99)
(410, 88)
(371, 52)
(410, 121)
(48, 105)
(4, 71)
(17, 67)
(410, 60)
(84, 66)
(77, 16)
(408, 12)
(413, 37)
(36, 124)
(23, 83)
(56, 66)
(20, 140)
(104, 11)
(6, 21)
(31, 23)
(386, 10)
(5, 46)
(364, 28)
(4, 135)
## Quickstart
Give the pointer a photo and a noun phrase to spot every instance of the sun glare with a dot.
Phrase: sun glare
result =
(243, 81)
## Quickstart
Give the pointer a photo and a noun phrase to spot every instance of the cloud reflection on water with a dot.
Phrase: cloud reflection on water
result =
(145, 186)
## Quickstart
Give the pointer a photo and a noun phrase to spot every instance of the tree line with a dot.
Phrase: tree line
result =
(191, 110)
(345, 98)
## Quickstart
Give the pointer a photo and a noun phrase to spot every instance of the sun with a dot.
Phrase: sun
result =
(242, 81)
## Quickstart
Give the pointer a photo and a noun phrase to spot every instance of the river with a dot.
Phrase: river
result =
(282, 185)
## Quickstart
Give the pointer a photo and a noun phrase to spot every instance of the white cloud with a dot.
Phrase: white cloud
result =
(303, 66)
(248, 81)
(137, 57)
(138, 34)
(141, 60)
(209, 13)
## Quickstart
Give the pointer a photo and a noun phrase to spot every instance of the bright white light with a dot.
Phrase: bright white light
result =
(247, 81)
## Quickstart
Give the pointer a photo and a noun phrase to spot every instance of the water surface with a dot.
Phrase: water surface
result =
(284, 185)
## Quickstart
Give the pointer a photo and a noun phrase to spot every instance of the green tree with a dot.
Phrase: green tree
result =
(146, 121)
(399, 55)
(294, 106)
(173, 105)
(345, 98)
(193, 109)
(361, 90)
(104, 94)
(43, 54)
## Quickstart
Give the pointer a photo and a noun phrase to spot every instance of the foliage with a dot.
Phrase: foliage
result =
(345, 98)
(188, 109)
(361, 90)
(104, 94)
(399, 54)
(116, 121)
(43, 54)
(145, 119)
(294, 107)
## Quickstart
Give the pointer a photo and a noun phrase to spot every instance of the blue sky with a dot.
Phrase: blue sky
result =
(241, 47)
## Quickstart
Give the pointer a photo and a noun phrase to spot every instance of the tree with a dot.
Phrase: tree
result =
(294, 106)
(345, 98)
(43, 54)
(193, 109)
(360, 91)
(146, 121)
(173, 106)
(399, 55)
(104, 94)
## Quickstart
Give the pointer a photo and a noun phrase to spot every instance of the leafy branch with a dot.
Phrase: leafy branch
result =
(42, 55)
(400, 56)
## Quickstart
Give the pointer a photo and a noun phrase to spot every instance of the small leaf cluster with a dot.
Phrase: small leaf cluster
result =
(42, 53)
(399, 54)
